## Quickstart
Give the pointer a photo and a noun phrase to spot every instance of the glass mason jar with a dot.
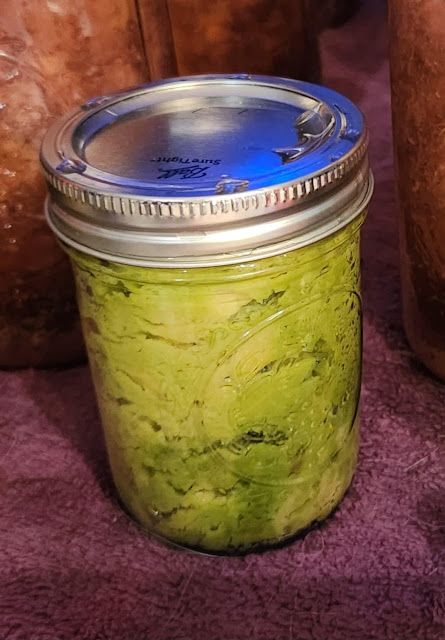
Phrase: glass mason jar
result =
(222, 314)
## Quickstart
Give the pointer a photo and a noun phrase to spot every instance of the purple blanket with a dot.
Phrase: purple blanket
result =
(74, 566)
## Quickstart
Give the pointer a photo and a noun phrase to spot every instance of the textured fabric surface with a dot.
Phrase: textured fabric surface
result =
(74, 566)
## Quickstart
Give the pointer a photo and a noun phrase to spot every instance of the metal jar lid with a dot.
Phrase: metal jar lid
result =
(206, 170)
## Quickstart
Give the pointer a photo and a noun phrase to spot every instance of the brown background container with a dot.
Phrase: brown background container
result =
(275, 37)
(53, 56)
(418, 92)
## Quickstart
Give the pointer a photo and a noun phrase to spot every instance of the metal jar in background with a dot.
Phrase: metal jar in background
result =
(213, 225)
(417, 32)
(53, 55)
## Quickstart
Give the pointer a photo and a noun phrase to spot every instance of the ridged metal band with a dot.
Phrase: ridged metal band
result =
(282, 196)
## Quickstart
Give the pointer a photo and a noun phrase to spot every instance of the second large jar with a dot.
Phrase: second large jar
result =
(213, 225)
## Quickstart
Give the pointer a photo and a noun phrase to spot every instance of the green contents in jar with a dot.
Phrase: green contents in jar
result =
(228, 394)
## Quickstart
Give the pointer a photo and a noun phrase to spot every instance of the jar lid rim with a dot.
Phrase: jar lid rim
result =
(198, 152)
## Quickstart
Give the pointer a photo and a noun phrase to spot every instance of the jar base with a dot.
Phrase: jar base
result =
(21, 349)
(260, 547)
(433, 358)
